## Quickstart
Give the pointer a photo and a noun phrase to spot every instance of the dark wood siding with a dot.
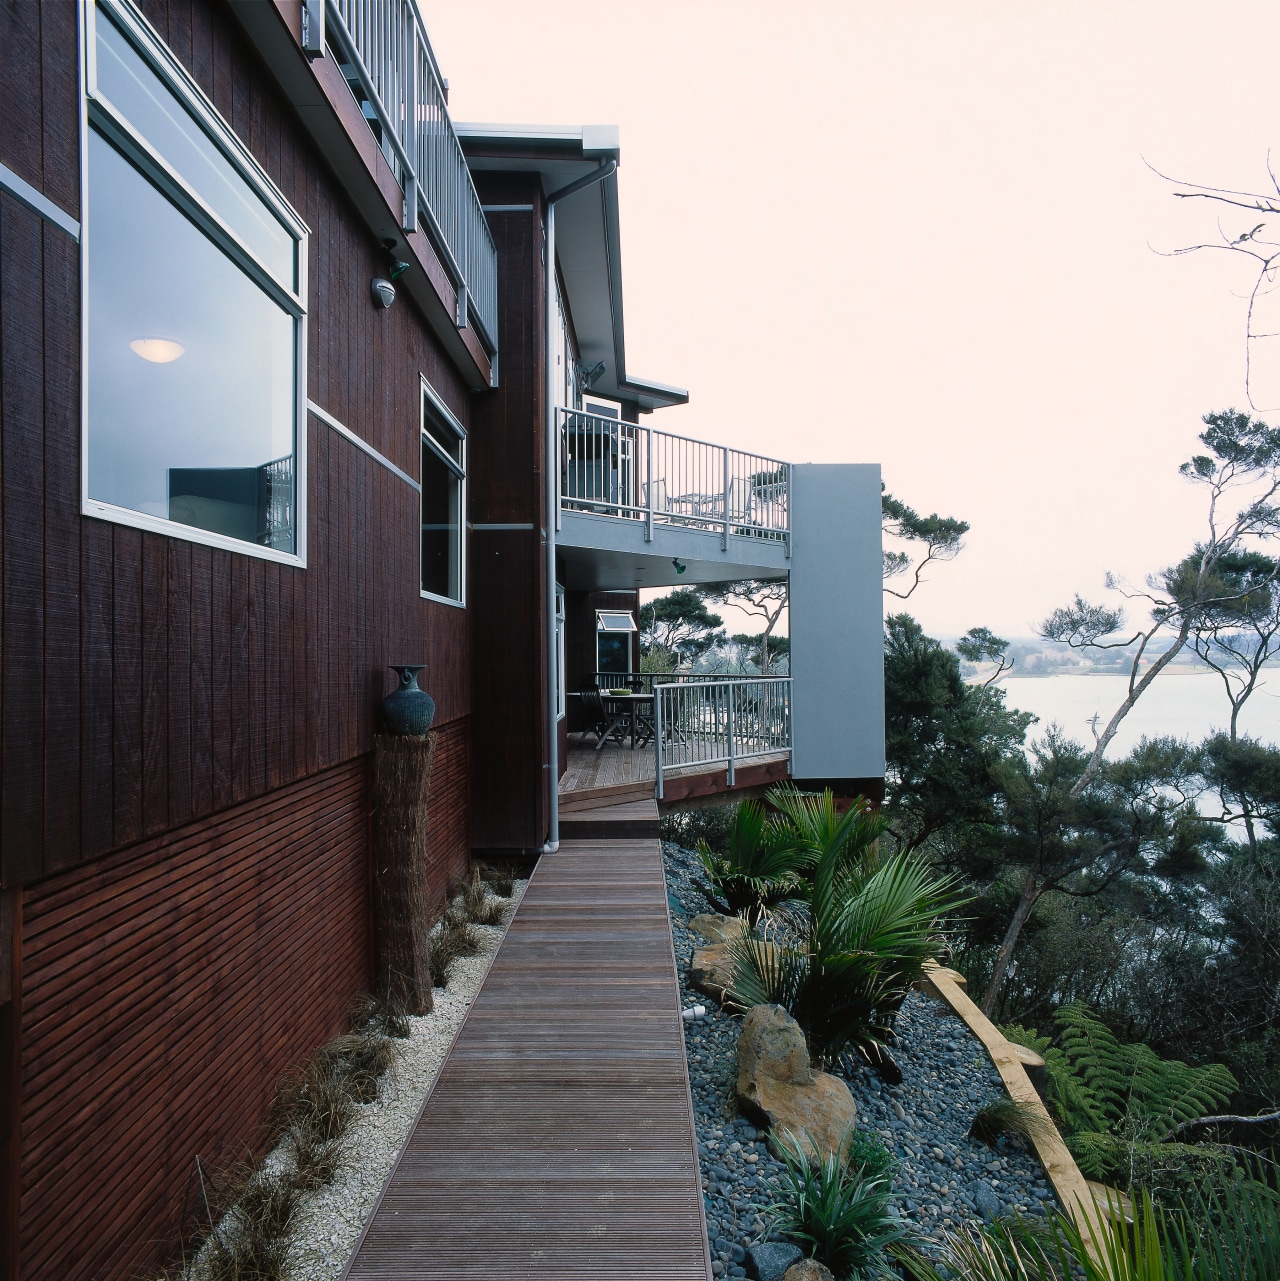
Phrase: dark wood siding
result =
(508, 566)
(184, 730)
(148, 681)
(164, 991)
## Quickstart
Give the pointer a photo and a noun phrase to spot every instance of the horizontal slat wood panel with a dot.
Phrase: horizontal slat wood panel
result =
(558, 1139)
(215, 995)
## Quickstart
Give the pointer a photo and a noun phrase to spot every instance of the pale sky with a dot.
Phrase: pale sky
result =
(920, 234)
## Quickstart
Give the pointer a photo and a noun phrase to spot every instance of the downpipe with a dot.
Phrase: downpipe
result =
(552, 501)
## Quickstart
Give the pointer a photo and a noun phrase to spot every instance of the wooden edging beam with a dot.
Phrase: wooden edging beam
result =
(1070, 1186)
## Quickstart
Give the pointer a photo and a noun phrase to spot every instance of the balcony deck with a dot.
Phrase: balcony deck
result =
(558, 1140)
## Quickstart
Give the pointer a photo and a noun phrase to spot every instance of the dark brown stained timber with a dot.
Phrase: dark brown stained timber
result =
(148, 681)
(625, 818)
(558, 1140)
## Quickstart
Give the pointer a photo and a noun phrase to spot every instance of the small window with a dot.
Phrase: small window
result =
(444, 477)
(194, 309)
(608, 620)
(613, 640)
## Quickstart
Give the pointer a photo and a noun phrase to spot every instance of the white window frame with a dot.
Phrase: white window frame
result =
(97, 110)
(562, 708)
(434, 410)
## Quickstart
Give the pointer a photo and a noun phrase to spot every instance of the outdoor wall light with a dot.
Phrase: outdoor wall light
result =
(384, 292)
(679, 564)
(159, 351)
(398, 265)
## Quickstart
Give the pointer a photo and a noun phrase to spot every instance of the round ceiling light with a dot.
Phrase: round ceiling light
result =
(159, 351)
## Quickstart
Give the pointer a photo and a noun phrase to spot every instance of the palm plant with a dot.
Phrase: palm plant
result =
(868, 932)
(764, 863)
(813, 823)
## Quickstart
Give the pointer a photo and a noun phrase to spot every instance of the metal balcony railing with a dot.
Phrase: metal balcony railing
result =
(388, 62)
(633, 472)
(729, 720)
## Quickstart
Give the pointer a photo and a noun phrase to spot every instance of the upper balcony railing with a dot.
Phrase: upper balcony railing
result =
(392, 71)
(631, 471)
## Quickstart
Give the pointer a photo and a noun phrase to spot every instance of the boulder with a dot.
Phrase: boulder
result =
(712, 970)
(769, 1260)
(808, 1270)
(777, 1086)
(717, 929)
(771, 1044)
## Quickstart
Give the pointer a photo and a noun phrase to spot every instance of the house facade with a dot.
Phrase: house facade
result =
(298, 379)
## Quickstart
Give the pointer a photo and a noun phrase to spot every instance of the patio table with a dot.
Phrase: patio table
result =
(634, 703)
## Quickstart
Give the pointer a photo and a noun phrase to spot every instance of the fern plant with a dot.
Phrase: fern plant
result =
(1109, 1096)
(764, 863)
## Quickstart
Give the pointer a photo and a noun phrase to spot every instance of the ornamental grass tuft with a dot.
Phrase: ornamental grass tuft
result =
(839, 1214)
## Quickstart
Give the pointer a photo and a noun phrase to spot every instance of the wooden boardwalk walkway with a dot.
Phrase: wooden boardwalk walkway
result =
(558, 1140)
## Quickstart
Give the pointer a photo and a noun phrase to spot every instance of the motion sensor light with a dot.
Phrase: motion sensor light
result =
(159, 351)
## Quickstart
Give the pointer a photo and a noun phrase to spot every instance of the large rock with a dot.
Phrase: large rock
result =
(808, 1270)
(770, 1260)
(712, 970)
(718, 929)
(771, 1044)
(777, 1086)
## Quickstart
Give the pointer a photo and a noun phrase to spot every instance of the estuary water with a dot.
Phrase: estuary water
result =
(1184, 704)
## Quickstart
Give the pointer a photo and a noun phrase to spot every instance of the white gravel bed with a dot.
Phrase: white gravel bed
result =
(330, 1221)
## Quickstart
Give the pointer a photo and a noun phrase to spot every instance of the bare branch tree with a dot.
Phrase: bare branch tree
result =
(759, 597)
(1251, 243)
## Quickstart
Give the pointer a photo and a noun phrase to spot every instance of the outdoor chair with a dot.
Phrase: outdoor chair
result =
(605, 724)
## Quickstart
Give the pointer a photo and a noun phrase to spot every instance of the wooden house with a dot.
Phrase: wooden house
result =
(298, 379)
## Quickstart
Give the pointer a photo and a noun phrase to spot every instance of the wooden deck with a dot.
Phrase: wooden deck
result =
(615, 773)
(558, 1139)
(611, 766)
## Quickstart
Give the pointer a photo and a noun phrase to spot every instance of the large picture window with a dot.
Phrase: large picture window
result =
(194, 308)
(444, 482)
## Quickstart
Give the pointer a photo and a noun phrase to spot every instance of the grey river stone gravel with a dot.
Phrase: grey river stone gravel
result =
(943, 1178)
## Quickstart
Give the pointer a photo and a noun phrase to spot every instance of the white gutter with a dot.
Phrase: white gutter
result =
(553, 506)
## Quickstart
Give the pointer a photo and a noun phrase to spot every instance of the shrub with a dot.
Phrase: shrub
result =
(254, 1241)
(383, 1015)
(452, 939)
(867, 1150)
(711, 824)
(763, 864)
(840, 1214)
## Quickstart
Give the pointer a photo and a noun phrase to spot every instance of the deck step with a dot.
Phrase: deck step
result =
(591, 798)
(625, 820)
